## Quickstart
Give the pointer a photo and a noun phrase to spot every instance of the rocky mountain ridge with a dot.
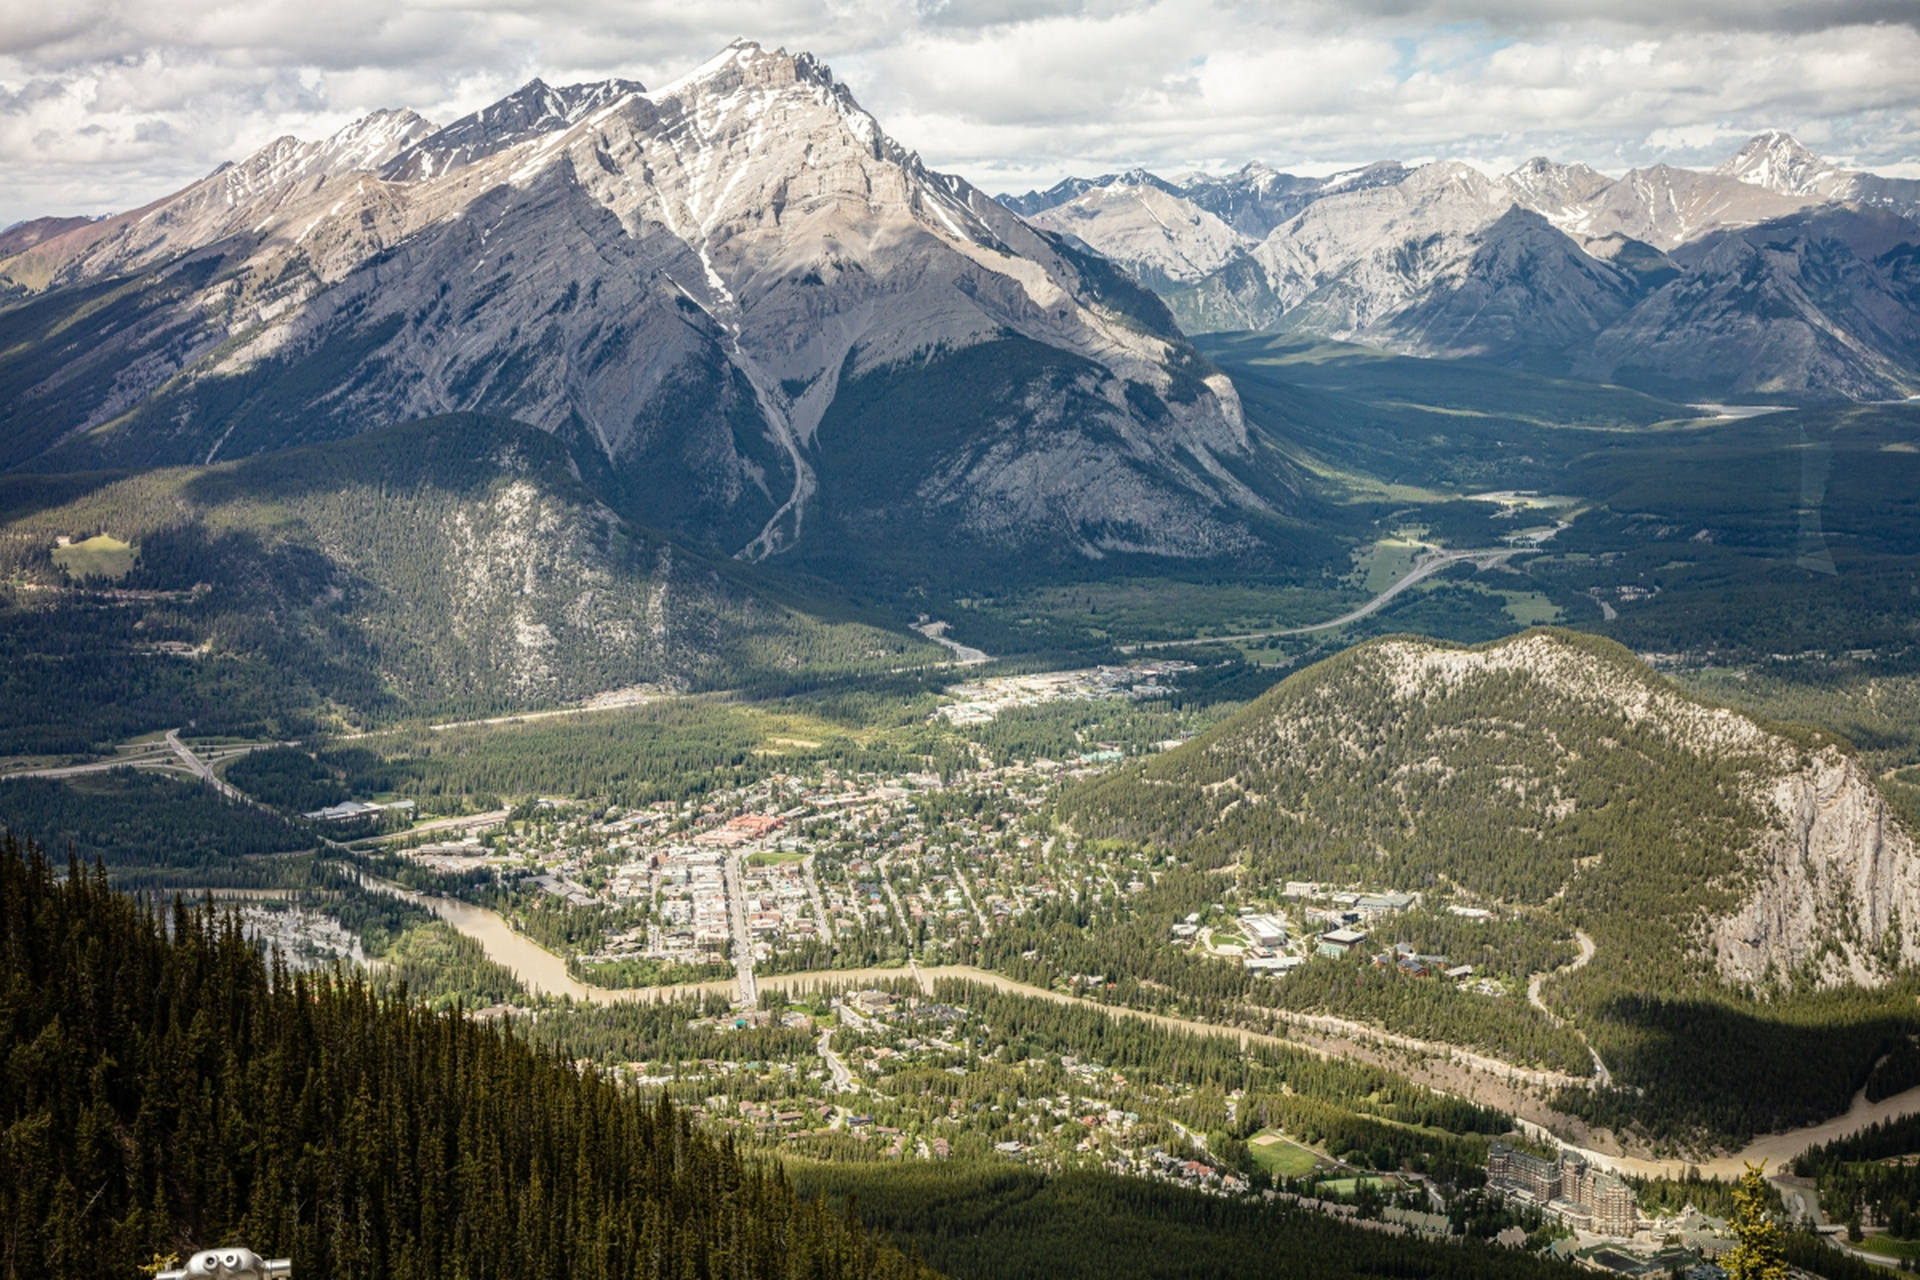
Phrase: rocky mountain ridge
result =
(677, 282)
(1638, 279)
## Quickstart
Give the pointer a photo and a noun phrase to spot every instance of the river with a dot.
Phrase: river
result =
(544, 973)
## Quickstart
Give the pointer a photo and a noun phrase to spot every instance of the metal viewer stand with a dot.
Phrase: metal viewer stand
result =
(231, 1264)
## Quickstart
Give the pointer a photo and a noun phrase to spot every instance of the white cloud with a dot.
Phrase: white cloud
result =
(105, 104)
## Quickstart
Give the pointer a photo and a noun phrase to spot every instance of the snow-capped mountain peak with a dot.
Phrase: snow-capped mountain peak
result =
(682, 281)
(531, 111)
(1777, 161)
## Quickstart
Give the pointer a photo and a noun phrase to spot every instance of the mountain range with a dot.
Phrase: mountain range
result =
(1774, 274)
(762, 328)
(757, 322)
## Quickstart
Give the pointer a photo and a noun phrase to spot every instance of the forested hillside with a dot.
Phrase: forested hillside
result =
(453, 565)
(166, 1090)
(996, 1222)
(1746, 889)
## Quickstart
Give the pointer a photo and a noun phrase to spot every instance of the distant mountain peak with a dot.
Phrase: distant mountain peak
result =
(1777, 161)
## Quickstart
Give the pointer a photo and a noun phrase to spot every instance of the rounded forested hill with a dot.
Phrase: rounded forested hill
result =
(1743, 882)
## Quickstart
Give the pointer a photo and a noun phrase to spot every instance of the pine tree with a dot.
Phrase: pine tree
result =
(1761, 1249)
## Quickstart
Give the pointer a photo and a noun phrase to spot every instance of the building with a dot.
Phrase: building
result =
(1340, 942)
(1264, 930)
(1372, 905)
(1579, 1195)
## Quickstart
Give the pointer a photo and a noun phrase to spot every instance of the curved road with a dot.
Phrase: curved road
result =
(842, 1077)
(1601, 1075)
(963, 654)
(1485, 557)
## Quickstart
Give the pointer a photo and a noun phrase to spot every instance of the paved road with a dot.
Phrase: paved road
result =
(1197, 1140)
(986, 930)
(735, 880)
(813, 891)
(965, 655)
(899, 912)
(842, 1077)
(201, 770)
(548, 973)
(169, 753)
(472, 821)
(1485, 557)
(156, 756)
(1601, 1076)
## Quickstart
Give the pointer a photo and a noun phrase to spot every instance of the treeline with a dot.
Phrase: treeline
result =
(674, 750)
(1722, 1067)
(288, 778)
(1127, 946)
(1671, 1196)
(166, 1090)
(1374, 1116)
(1878, 1141)
(1871, 1175)
(644, 1031)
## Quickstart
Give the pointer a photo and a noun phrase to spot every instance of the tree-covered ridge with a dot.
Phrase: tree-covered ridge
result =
(1556, 780)
(165, 1089)
(1505, 771)
(453, 564)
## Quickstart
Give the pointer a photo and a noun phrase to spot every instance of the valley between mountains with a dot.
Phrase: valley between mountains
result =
(1245, 706)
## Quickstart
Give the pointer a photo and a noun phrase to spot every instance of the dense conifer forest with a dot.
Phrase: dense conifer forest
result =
(994, 1222)
(165, 1089)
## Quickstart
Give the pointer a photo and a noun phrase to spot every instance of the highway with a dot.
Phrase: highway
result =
(1484, 557)
(471, 822)
(168, 753)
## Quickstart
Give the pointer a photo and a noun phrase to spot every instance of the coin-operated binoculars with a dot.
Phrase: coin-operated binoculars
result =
(230, 1264)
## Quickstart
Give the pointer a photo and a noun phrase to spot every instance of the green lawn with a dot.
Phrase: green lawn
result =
(1888, 1247)
(1385, 563)
(1347, 1186)
(101, 556)
(1279, 1156)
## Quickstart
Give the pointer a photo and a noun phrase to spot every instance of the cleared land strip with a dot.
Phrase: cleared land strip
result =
(1485, 558)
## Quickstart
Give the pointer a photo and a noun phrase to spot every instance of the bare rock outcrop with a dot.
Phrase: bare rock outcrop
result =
(1835, 897)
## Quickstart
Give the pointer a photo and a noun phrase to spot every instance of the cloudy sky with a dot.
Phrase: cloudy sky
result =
(105, 104)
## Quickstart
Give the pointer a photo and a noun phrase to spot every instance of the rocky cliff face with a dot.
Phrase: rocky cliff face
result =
(677, 282)
(450, 563)
(1835, 893)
